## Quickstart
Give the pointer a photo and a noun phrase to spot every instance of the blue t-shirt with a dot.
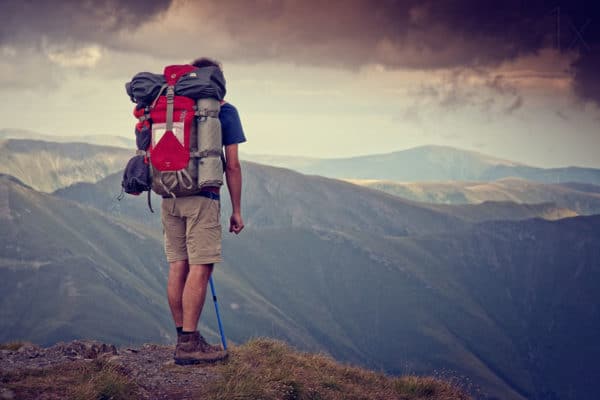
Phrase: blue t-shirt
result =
(231, 126)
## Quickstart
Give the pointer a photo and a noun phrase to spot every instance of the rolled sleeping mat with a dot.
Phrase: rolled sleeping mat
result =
(210, 172)
(210, 142)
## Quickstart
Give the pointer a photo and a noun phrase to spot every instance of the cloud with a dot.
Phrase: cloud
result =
(348, 34)
(27, 69)
(586, 82)
(84, 57)
(41, 42)
(478, 88)
(394, 34)
(30, 22)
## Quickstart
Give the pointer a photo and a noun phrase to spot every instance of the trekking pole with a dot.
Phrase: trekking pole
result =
(212, 289)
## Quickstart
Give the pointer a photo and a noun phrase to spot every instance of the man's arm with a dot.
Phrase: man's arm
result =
(233, 175)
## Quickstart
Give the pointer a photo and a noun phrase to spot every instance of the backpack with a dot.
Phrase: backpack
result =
(178, 133)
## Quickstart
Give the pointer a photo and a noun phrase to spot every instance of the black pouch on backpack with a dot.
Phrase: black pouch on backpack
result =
(143, 134)
(136, 178)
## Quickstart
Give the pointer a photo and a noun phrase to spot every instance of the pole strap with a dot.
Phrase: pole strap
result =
(205, 153)
(205, 112)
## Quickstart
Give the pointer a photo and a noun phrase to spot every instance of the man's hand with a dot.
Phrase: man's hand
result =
(236, 223)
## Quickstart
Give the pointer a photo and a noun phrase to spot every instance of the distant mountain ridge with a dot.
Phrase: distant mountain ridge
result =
(429, 163)
(319, 203)
(48, 166)
(581, 198)
(100, 140)
(420, 164)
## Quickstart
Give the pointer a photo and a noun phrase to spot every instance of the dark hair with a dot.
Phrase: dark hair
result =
(206, 62)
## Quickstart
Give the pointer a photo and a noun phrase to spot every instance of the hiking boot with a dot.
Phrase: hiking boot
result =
(177, 345)
(209, 348)
(193, 349)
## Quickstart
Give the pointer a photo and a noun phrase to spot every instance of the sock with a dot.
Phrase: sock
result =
(179, 329)
(186, 332)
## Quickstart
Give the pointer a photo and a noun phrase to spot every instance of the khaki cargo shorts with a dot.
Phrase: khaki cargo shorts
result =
(192, 229)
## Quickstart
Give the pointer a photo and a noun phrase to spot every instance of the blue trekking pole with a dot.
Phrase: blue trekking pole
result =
(212, 289)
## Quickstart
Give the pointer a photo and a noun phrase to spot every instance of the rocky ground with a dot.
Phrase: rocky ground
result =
(150, 366)
(263, 369)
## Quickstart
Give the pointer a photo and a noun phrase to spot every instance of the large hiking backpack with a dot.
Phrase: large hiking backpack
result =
(178, 134)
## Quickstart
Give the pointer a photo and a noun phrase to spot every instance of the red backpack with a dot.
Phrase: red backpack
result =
(179, 133)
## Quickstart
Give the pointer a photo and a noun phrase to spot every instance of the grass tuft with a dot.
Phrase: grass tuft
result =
(79, 380)
(270, 370)
(104, 383)
(12, 346)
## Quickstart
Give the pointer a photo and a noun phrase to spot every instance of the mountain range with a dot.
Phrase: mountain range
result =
(581, 198)
(99, 140)
(374, 279)
(48, 166)
(429, 163)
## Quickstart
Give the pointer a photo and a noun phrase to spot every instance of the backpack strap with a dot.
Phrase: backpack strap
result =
(182, 176)
(150, 201)
(150, 188)
(162, 88)
(170, 107)
(168, 189)
(146, 115)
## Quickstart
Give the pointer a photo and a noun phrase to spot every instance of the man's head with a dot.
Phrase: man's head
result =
(206, 62)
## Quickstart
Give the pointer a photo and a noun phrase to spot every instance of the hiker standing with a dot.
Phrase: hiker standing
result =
(192, 234)
(184, 124)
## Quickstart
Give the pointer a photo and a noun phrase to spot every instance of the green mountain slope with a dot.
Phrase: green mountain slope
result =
(68, 271)
(398, 286)
(493, 302)
(47, 166)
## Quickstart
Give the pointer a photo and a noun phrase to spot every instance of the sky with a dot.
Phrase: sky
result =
(512, 79)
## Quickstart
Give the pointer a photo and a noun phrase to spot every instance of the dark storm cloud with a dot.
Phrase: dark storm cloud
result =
(413, 34)
(26, 22)
(422, 34)
(587, 82)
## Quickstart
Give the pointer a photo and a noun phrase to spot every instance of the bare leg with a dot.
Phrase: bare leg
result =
(194, 294)
(178, 273)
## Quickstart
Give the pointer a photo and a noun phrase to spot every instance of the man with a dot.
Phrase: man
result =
(192, 234)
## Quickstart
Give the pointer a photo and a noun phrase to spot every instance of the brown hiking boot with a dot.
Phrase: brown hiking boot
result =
(177, 345)
(192, 348)
(209, 347)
